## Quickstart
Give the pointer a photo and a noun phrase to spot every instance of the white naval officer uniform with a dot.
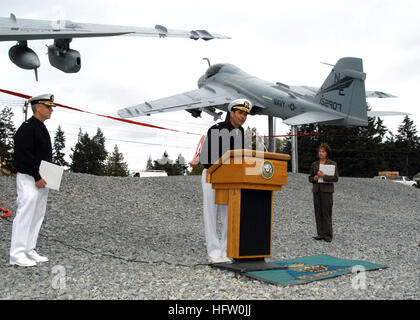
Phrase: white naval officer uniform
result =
(32, 145)
(211, 152)
(31, 206)
(216, 248)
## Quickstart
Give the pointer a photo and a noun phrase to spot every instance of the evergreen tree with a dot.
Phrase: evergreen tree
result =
(115, 165)
(99, 153)
(166, 164)
(407, 133)
(89, 155)
(59, 144)
(80, 156)
(358, 151)
(165, 159)
(407, 148)
(182, 164)
(280, 145)
(149, 164)
(197, 170)
(7, 132)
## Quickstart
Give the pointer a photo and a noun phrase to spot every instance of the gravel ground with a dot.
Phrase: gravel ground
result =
(130, 238)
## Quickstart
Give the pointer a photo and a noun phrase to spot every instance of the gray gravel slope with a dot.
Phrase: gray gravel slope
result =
(130, 238)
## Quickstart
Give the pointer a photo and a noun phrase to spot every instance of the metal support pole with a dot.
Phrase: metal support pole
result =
(274, 133)
(294, 150)
(270, 133)
(25, 111)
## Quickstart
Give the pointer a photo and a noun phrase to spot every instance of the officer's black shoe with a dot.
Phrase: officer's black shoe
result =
(318, 238)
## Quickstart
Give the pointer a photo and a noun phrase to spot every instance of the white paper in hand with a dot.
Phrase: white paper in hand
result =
(52, 174)
(328, 169)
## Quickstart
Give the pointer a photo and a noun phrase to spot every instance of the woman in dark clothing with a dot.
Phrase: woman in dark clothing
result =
(323, 188)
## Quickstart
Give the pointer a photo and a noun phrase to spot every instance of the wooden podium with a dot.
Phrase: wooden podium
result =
(245, 181)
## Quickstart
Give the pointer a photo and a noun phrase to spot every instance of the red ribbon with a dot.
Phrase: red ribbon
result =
(21, 95)
(304, 134)
(197, 150)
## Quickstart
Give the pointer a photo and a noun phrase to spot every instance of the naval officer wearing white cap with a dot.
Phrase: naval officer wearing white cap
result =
(32, 144)
(221, 137)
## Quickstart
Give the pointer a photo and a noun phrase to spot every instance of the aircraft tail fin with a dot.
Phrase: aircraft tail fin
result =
(344, 91)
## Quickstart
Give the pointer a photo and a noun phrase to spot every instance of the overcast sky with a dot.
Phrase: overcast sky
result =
(278, 41)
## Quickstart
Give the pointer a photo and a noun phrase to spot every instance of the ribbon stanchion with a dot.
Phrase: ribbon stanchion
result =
(4, 212)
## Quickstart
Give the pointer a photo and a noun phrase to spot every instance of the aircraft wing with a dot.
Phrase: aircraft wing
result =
(206, 96)
(12, 29)
(386, 113)
(36, 35)
(311, 117)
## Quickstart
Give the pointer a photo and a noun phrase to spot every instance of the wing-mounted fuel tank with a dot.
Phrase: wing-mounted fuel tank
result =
(24, 57)
(196, 113)
(212, 111)
(62, 57)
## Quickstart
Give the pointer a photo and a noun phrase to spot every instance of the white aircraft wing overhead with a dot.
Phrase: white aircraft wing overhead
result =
(311, 117)
(13, 29)
(206, 96)
(162, 32)
(36, 35)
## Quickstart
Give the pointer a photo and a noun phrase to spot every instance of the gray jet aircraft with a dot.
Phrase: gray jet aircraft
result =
(340, 101)
(63, 31)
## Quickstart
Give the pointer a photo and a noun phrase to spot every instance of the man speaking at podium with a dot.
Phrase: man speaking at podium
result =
(223, 136)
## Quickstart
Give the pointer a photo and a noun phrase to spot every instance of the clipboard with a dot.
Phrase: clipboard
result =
(328, 169)
(52, 174)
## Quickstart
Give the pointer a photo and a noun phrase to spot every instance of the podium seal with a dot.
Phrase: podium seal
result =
(267, 169)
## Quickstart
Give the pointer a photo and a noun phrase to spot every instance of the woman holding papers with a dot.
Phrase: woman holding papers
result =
(322, 175)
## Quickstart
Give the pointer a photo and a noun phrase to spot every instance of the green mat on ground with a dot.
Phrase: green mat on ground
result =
(312, 268)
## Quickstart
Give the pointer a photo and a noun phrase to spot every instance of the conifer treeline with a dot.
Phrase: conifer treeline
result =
(359, 151)
(88, 155)
(362, 151)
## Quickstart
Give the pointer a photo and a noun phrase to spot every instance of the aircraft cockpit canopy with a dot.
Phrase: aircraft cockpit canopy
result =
(212, 70)
(222, 67)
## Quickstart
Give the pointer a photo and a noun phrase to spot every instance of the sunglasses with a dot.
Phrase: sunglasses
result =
(49, 107)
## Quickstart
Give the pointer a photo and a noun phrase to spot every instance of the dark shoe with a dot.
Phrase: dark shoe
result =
(327, 239)
(318, 238)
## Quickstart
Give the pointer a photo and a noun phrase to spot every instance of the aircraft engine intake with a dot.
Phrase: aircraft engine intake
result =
(63, 58)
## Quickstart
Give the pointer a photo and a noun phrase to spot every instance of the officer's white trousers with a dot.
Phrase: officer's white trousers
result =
(30, 212)
(216, 247)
